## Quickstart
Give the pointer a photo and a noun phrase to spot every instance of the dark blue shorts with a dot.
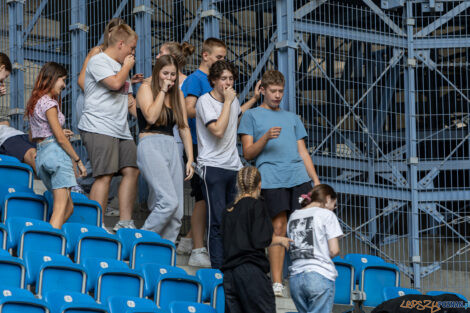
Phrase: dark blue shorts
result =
(17, 146)
(278, 200)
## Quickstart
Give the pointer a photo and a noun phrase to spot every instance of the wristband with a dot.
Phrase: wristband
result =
(77, 160)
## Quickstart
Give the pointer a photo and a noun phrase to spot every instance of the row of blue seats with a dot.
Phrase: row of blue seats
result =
(369, 280)
(15, 300)
(46, 272)
(21, 235)
(20, 201)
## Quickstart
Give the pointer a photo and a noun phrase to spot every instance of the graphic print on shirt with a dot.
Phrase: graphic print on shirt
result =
(301, 232)
(124, 89)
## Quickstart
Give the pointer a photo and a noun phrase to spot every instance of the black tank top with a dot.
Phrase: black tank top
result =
(160, 129)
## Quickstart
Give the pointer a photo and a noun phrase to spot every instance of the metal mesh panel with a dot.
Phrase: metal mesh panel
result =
(382, 88)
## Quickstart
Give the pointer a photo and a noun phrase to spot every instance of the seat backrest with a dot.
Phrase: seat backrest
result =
(345, 282)
(21, 304)
(49, 272)
(74, 230)
(7, 158)
(218, 297)
(12, 271)
(66, 301)
(177, 287)
(85, 211)
(120, 282)
(97, 244)
(16, 174)
(438, 293)
(208, 277)
(160, 251)
(359, 261)
(3, 236)
(34, 235)
(395, 292)
(22, 202)
(152, 272)
(120, 304)
(374, 278)
(128, 236)
(94, 265)
(186, 306)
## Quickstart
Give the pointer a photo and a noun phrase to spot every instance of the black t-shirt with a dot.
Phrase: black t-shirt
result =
(246, 231)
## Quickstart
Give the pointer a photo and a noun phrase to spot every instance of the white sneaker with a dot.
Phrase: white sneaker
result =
(279, 289)
(124, 224)
(199, 258)
(185, 246)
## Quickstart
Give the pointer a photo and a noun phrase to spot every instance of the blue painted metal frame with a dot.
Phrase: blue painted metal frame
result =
(210, 19)
(143, 18)
(15, 15)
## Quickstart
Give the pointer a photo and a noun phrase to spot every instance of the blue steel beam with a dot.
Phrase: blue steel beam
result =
(143, 21)
(78, 20)
(384, 17)
(287, 50)
(35, 18)
(444, 43)
(345, 33)
(211, 18)
(443, 19)
(15, 15)
(412, 153)
(193, 25)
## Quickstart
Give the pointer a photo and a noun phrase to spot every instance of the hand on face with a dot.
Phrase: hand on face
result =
(137, 78)
(3, 89)
(229, 94)
(167, 84)
(129, 61)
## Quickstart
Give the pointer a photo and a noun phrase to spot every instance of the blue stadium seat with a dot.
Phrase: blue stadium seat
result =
(3, 236)
(438, 293)
(7, 158)
(359, 261)
(33, 235)
(190, 307)
(345, 283)
(208, 277)
(127, 237)
(91, 241)
(12, 271)
(147, 247)
(151, 272)
(20, 201)
(49, 272)
(72, 302)
(119, 304)
(177, 287)
(20, 301)
(6, 291)
(112, 278)
(218, 297)
(395, 292)
(16, 174)
(85, 211)
(375, 276)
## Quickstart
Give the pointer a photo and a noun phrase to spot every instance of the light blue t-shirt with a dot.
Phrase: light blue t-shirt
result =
(196, 85)
(279, 162)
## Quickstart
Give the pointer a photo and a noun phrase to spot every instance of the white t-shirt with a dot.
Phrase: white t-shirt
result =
(7, 132)
(213, 151)
(310, 229)
(105, 111)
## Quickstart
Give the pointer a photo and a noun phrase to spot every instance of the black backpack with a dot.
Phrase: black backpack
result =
(446, 303)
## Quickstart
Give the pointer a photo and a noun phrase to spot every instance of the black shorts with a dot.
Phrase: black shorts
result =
(17, 146)
(196, 181)
(278, 200)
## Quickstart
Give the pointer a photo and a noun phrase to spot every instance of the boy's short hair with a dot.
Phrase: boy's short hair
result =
(272, 77)
(121, 32)
(4, 60)
(211, 43)
(218, 68)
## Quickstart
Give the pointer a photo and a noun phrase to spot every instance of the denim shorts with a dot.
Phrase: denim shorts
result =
(54, 166)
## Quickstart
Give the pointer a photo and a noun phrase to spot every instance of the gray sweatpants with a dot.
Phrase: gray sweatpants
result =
(159, 162)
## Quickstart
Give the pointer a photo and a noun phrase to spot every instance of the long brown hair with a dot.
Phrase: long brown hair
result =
(319, 193)
(175, 102)
(248, 180)
(4, 60)
(45, 81)
(111, 24)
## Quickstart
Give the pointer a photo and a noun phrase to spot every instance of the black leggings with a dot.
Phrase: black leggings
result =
(248, 289)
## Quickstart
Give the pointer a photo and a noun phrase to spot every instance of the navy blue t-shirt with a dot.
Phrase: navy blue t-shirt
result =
(195, 85)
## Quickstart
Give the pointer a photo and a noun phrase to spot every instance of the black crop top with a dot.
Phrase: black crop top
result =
(161, 129)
